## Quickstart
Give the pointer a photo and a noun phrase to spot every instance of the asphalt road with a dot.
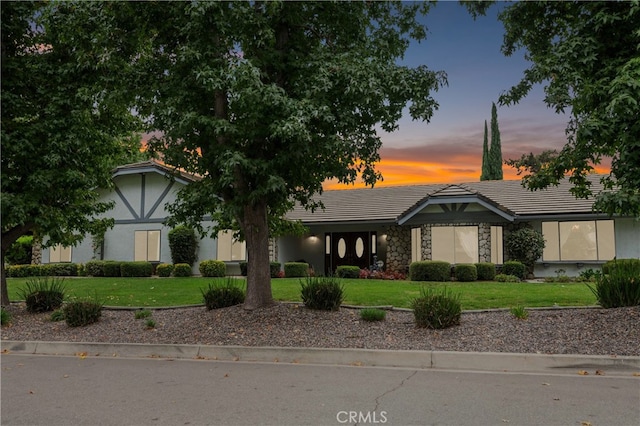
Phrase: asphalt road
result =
(72, 390)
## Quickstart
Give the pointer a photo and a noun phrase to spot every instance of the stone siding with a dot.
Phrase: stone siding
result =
(398, 249)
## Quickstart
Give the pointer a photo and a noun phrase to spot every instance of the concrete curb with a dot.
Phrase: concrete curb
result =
(476, 361)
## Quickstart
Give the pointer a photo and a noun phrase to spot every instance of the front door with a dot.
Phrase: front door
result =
(349, 248)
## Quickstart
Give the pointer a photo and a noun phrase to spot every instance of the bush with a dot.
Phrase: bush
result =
(322, 293)
(348, 271)
(525, 245)
(43, 294)
(142, 313)
(620, 286)
(20, 251)
(609, 265)
(437, 310)
(136, 269)
(181, 270)
(213, 268)
(430, 270)
(5, 316)
(60, 269)
(514, 267)
(183, 244)
(274, 269)
(373, 314)
(296, 269)
(466, 272)
(223, 294)
(22, 271)
(111, 268)
(94, 268)
(79, 313)
(243, 268)
(164, 269)
(504, 278)
(486, 271)
(57, 315)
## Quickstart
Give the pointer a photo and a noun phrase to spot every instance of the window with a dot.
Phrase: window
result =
(416, 244)
(497, 249)
(147, 246)
(454, 244)
(579, 240)
(230, 249)
(58, 254)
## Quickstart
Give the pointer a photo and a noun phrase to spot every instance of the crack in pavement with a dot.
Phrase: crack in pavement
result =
(379, 397)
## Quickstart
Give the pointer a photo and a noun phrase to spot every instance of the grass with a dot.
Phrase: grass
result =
(156, 292)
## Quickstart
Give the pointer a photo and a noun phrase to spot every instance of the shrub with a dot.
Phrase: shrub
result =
(94, 268)
(322, 293)
(274, 268)
(514, 267)
(381, 275)
(430, 270)
(43, 294)
(142, 313)
(60, 269)
(466, 272)
(111, 268)
(22, 271)
(525, 245)
(243, 268)
(348, 271)
(79, 313)
(164, 269)
(57, 315)
(183, 244)
(296, 269)
(519, 312)
(373, 314)
(19, 253)
(136, 269)
(181, 270)
(504, 278)
(437, 309)
(609, 265)
(223, 294)
(150, 323)
(486, 271)
(5, 316)
(620, 286)
(213, 268)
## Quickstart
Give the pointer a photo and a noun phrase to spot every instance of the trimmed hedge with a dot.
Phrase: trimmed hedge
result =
(47, 269)
(181, 270)
(486, 271)
(274, 269)
(164, 269)
(348, 271)
(212, 268)
(513, 267)
(466, 272)
(296, 269)
(430, 270)
(136, 269)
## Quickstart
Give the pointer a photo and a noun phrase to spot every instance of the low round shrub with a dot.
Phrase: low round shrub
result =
(430, 270)
(466, 272)
(437, 310)
(136, 269)
(322, 293)
(164, 269)
(373, 314)
(181, 270)
(223, 294)
(94, 268)
(514, 267)
(504, 278)
(296, 269)
(111, 268)
(486, 271)
(79, 313)
(274, 269)
(348, 271)
(43, 294)
(60, 269)
(212, 268)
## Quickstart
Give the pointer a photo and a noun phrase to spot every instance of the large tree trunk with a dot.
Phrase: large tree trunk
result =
(8, 238)
(256, 231)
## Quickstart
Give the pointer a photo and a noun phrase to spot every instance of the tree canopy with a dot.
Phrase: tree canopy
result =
(64, 123)
(587, 55)
(267, 100)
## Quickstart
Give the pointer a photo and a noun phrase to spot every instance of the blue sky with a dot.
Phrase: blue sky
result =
(449, 148)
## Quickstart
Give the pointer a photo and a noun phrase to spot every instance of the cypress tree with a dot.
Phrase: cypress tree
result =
(486, 170)
(495, 152)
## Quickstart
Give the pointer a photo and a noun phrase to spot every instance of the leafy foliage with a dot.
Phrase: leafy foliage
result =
(296, 269)
(223, 294)
(136, 269)
(79, 313)
(20, 252)
(516, 268)
(212, 268)
(465, 272)
(43, 294)
(181, 270)
(619, 286)
(525, 245)
(588, 56)
(5, 316)
(486, 271)
(506, 278)
(495, 151)
(437, 309)
(183, 244)
(372, 314)
(519, 312)
(164, 269)
(430, 270)
(348, 271)
(322, 293)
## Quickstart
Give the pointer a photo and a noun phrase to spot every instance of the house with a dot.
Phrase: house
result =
(388, 226)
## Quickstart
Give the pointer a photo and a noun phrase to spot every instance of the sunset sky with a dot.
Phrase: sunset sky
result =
(449, 148)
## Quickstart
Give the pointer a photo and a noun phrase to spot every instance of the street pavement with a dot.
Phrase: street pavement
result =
(80, 388)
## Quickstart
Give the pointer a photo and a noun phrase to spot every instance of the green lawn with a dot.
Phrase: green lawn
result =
(156, 292)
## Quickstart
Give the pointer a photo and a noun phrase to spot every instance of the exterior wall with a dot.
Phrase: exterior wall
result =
(398, 249)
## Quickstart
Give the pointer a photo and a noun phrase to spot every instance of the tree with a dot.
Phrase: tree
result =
(495, 151)
(486, 173)
(64, 125)
(525, 245)
(267, 100)
(588, 56)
